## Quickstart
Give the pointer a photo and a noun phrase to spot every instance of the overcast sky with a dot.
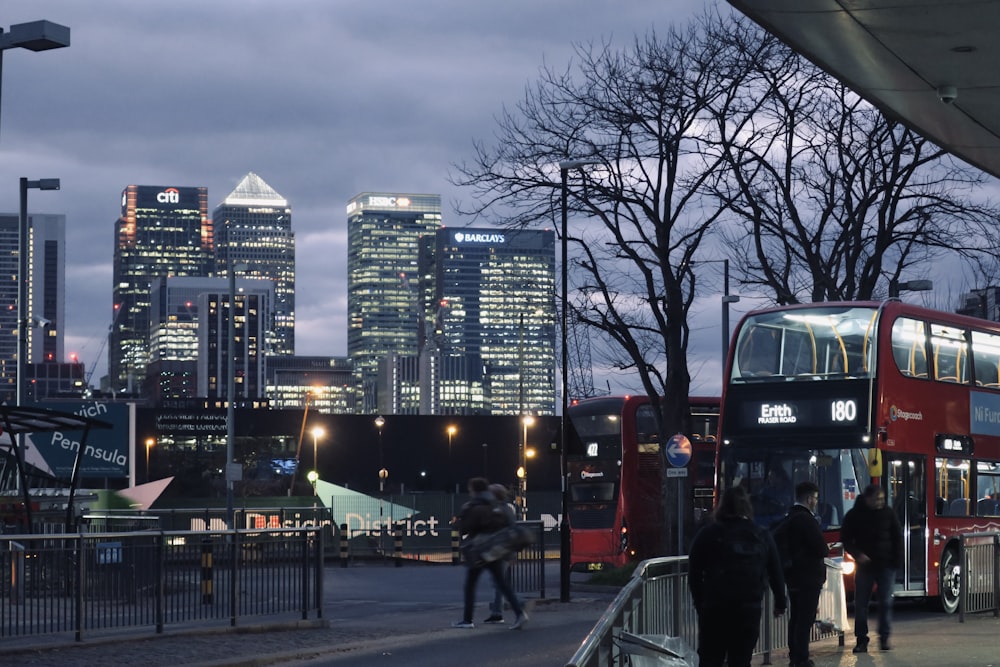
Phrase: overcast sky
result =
(321, 98)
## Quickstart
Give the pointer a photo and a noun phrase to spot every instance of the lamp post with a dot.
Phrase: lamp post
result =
(33, 36)
(23, 316)
(895, 287)
(522, 471)
(727, 299)
(149, 445)
(379, 423)
(317, 433)
(232, 474)
(564, 546)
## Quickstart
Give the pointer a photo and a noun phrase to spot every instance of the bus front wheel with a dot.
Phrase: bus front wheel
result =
(948, 583)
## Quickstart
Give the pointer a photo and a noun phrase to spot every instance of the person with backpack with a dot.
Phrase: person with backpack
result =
(499, 492)
(873, 535)
(803, 551)
(731, 562)
(483, 515)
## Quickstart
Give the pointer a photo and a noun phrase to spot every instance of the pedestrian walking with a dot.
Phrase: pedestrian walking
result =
(805, 569)
(483, 515)
(499, 492)
(873, 535)
(731, 562)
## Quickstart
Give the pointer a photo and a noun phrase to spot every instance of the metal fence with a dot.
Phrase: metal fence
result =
(87, 583)
(979, 577)
(656, 602)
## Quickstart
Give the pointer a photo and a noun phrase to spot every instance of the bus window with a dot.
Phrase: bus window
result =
(986, 359)
(988, 488)
(952, 487)
(951, 355)
(909, 347)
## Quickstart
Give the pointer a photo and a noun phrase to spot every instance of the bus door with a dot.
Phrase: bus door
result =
(908, 497)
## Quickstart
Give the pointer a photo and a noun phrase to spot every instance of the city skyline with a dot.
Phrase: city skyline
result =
(314, 101)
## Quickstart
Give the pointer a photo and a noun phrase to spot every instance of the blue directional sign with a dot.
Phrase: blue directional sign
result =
(678, 450)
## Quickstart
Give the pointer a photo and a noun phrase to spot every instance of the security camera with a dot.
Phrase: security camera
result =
(41, 322)
(947, 94)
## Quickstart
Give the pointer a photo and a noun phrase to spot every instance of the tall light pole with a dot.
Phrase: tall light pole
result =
(895, 287)
(317, 433)
(232, 474)
(33, 36)
(23, 250)
(727, 299)
(379, 423)
(564, 546)
(522, 471)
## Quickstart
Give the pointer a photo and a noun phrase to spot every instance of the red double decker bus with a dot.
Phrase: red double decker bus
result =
(614, 470)
(847, 394)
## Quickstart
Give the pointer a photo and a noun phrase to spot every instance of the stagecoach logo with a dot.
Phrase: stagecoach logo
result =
(895, 413)
(776, 413)
(590, 475)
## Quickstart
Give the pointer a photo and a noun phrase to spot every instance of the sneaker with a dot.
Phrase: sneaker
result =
(520, 621)
(464, 625)
(495, 619)
(861, 646)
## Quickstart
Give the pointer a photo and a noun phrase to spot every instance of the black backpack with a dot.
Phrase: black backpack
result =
(739, 571)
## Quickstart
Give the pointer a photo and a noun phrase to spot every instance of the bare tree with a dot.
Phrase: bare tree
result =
(642, 113)
(833, 200)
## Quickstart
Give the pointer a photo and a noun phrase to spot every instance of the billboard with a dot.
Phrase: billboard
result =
(105, 453)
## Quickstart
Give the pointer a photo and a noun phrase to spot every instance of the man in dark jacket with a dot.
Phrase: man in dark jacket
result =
(806, 573)
(873, 535)
(731, 562)
(480, 515)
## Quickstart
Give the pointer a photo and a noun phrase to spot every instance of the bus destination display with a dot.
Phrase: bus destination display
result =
(803, 413)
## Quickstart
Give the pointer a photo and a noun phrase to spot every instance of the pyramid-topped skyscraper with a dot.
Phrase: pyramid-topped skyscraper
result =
(253, 226)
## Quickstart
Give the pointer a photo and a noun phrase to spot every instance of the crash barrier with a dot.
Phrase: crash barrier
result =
(654, 610)
(82, 584)
(978, 574)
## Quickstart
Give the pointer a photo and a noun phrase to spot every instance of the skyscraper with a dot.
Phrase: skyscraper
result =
(46, 294)
(162, 231)
(488, 297)
(253, 226)
(383, 234)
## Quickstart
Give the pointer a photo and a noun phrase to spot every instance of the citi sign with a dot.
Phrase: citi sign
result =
(169, 196)
(461, 237)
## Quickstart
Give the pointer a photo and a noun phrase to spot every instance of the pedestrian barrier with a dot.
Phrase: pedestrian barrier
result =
(84, 583)
(656, 602)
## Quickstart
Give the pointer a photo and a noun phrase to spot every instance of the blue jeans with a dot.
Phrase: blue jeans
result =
(496, 570)
(496, 607)
(865, 578)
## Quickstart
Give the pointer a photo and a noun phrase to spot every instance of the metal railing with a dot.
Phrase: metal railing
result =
(656, 602)
(85, 583)
(979, 577)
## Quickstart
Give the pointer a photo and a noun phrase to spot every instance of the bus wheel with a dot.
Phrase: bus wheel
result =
(948, 585)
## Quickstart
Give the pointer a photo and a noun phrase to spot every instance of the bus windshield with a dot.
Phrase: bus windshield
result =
(825, 342)
(770, 476)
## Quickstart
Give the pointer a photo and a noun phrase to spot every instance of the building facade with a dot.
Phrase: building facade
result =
(46, 295)
(253, 232)
(383, 236)
(162, 231)
(488, 298)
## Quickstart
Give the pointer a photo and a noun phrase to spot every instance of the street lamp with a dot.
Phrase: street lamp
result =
(149, 445)
(23, 316)
(379, 423)
(33, 36)
(564, 555)
(522, 471)
(727, 299)
(232, 472)
(317, 433)
(895, 287)
(452, 430)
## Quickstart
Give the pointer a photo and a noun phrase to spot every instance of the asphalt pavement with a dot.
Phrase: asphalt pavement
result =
(377, 615)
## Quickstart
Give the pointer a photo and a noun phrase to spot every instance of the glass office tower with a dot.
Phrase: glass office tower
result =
(253, 226)
(162, 231)
(488, 298)
(383, 235)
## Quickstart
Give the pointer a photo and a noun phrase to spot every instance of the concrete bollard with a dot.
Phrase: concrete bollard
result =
(398, 539)
(455, 557)
(207, 594)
